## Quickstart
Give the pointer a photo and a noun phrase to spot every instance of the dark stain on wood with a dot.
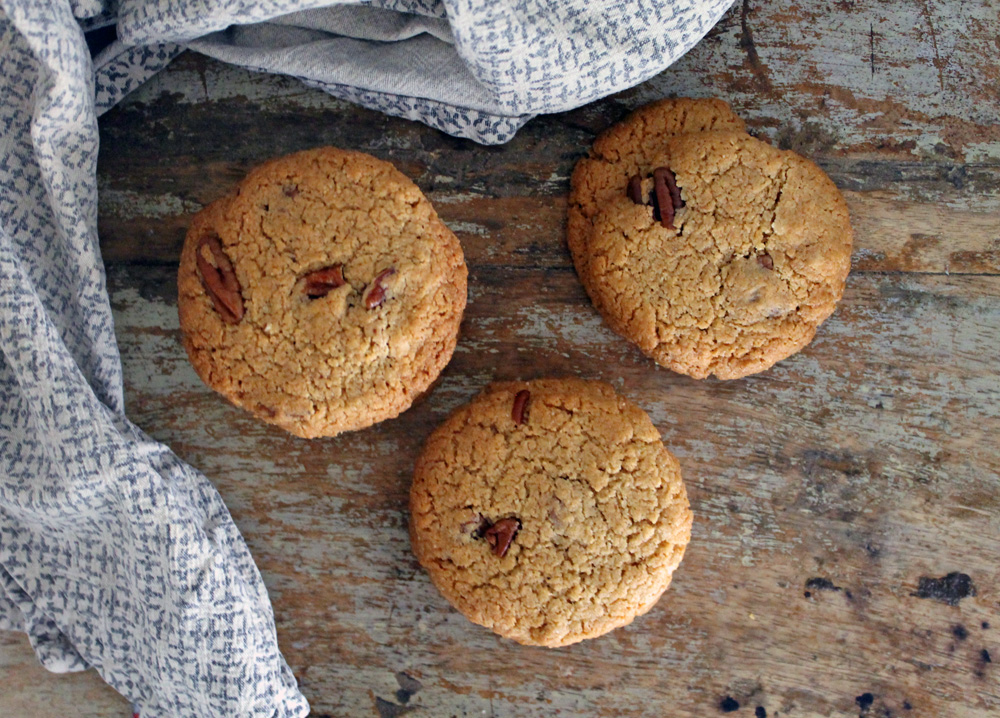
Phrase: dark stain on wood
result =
(865, 701)
(949, 589)
(408, 687)
(982, 661)
(386, 709)
(822, 584)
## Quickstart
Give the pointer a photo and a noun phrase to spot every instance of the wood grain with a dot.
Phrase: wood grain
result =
(824, 490)
(864, 463)
(30, 690)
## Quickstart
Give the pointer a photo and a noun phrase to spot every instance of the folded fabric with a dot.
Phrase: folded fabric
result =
(113, 553)
(473, 68)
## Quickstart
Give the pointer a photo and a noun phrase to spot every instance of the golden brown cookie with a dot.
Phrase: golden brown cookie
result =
(549, 511)
(324, 295)
(754, 260)
(626, 149)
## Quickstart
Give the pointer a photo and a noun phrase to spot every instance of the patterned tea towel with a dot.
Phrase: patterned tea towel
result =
(114, 553)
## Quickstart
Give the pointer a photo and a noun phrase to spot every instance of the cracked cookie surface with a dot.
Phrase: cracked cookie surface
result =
(599, 513)
(626, 149)
(757, 260)
(352, 293)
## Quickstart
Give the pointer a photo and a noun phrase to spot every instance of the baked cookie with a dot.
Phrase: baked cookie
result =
(754, 260)
(627, 148)
(549, 511)
(324, 295)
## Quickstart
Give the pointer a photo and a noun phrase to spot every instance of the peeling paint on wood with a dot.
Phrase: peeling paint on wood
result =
(866, 459)
(867, 463)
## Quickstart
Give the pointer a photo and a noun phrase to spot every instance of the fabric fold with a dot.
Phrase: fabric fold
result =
(113, 553)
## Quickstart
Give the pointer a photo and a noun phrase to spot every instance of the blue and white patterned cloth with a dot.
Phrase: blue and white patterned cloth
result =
(114, 553)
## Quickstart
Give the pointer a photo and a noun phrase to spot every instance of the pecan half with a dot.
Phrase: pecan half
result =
(376, 293)
(666, 196)
(634, 190)
(220, 280)
(765, 261)
(323, 281)
(520, 405)
(501, 534)
(675, 191)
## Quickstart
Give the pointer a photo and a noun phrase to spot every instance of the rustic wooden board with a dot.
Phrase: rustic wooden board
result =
(826, 491)
(28, 690)
(868, 465)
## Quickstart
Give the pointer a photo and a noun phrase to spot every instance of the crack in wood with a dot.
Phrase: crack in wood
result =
(871, 39)
(746, 42)
(925, 10)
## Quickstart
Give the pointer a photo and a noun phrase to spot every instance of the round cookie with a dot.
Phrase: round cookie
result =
(324, 296)
(628, 148)
(756, 259)
(549, 511)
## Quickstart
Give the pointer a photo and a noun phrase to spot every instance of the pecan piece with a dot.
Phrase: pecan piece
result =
(290, 190)
(520, 405)
(220, 280)
(675, 191)
(765, 261)
(323, 281)
(666, 196)
(634, 190)
(376, 294)
(501, 534)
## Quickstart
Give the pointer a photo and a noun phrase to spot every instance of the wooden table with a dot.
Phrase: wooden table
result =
(829, 492)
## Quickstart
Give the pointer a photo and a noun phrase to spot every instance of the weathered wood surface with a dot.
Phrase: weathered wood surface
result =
(824, 490)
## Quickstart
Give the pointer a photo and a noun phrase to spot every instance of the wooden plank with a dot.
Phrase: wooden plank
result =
(926, 214)
(825, 490)
(30, 690)
(891, 234)
(910, 79)
(864, 463)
